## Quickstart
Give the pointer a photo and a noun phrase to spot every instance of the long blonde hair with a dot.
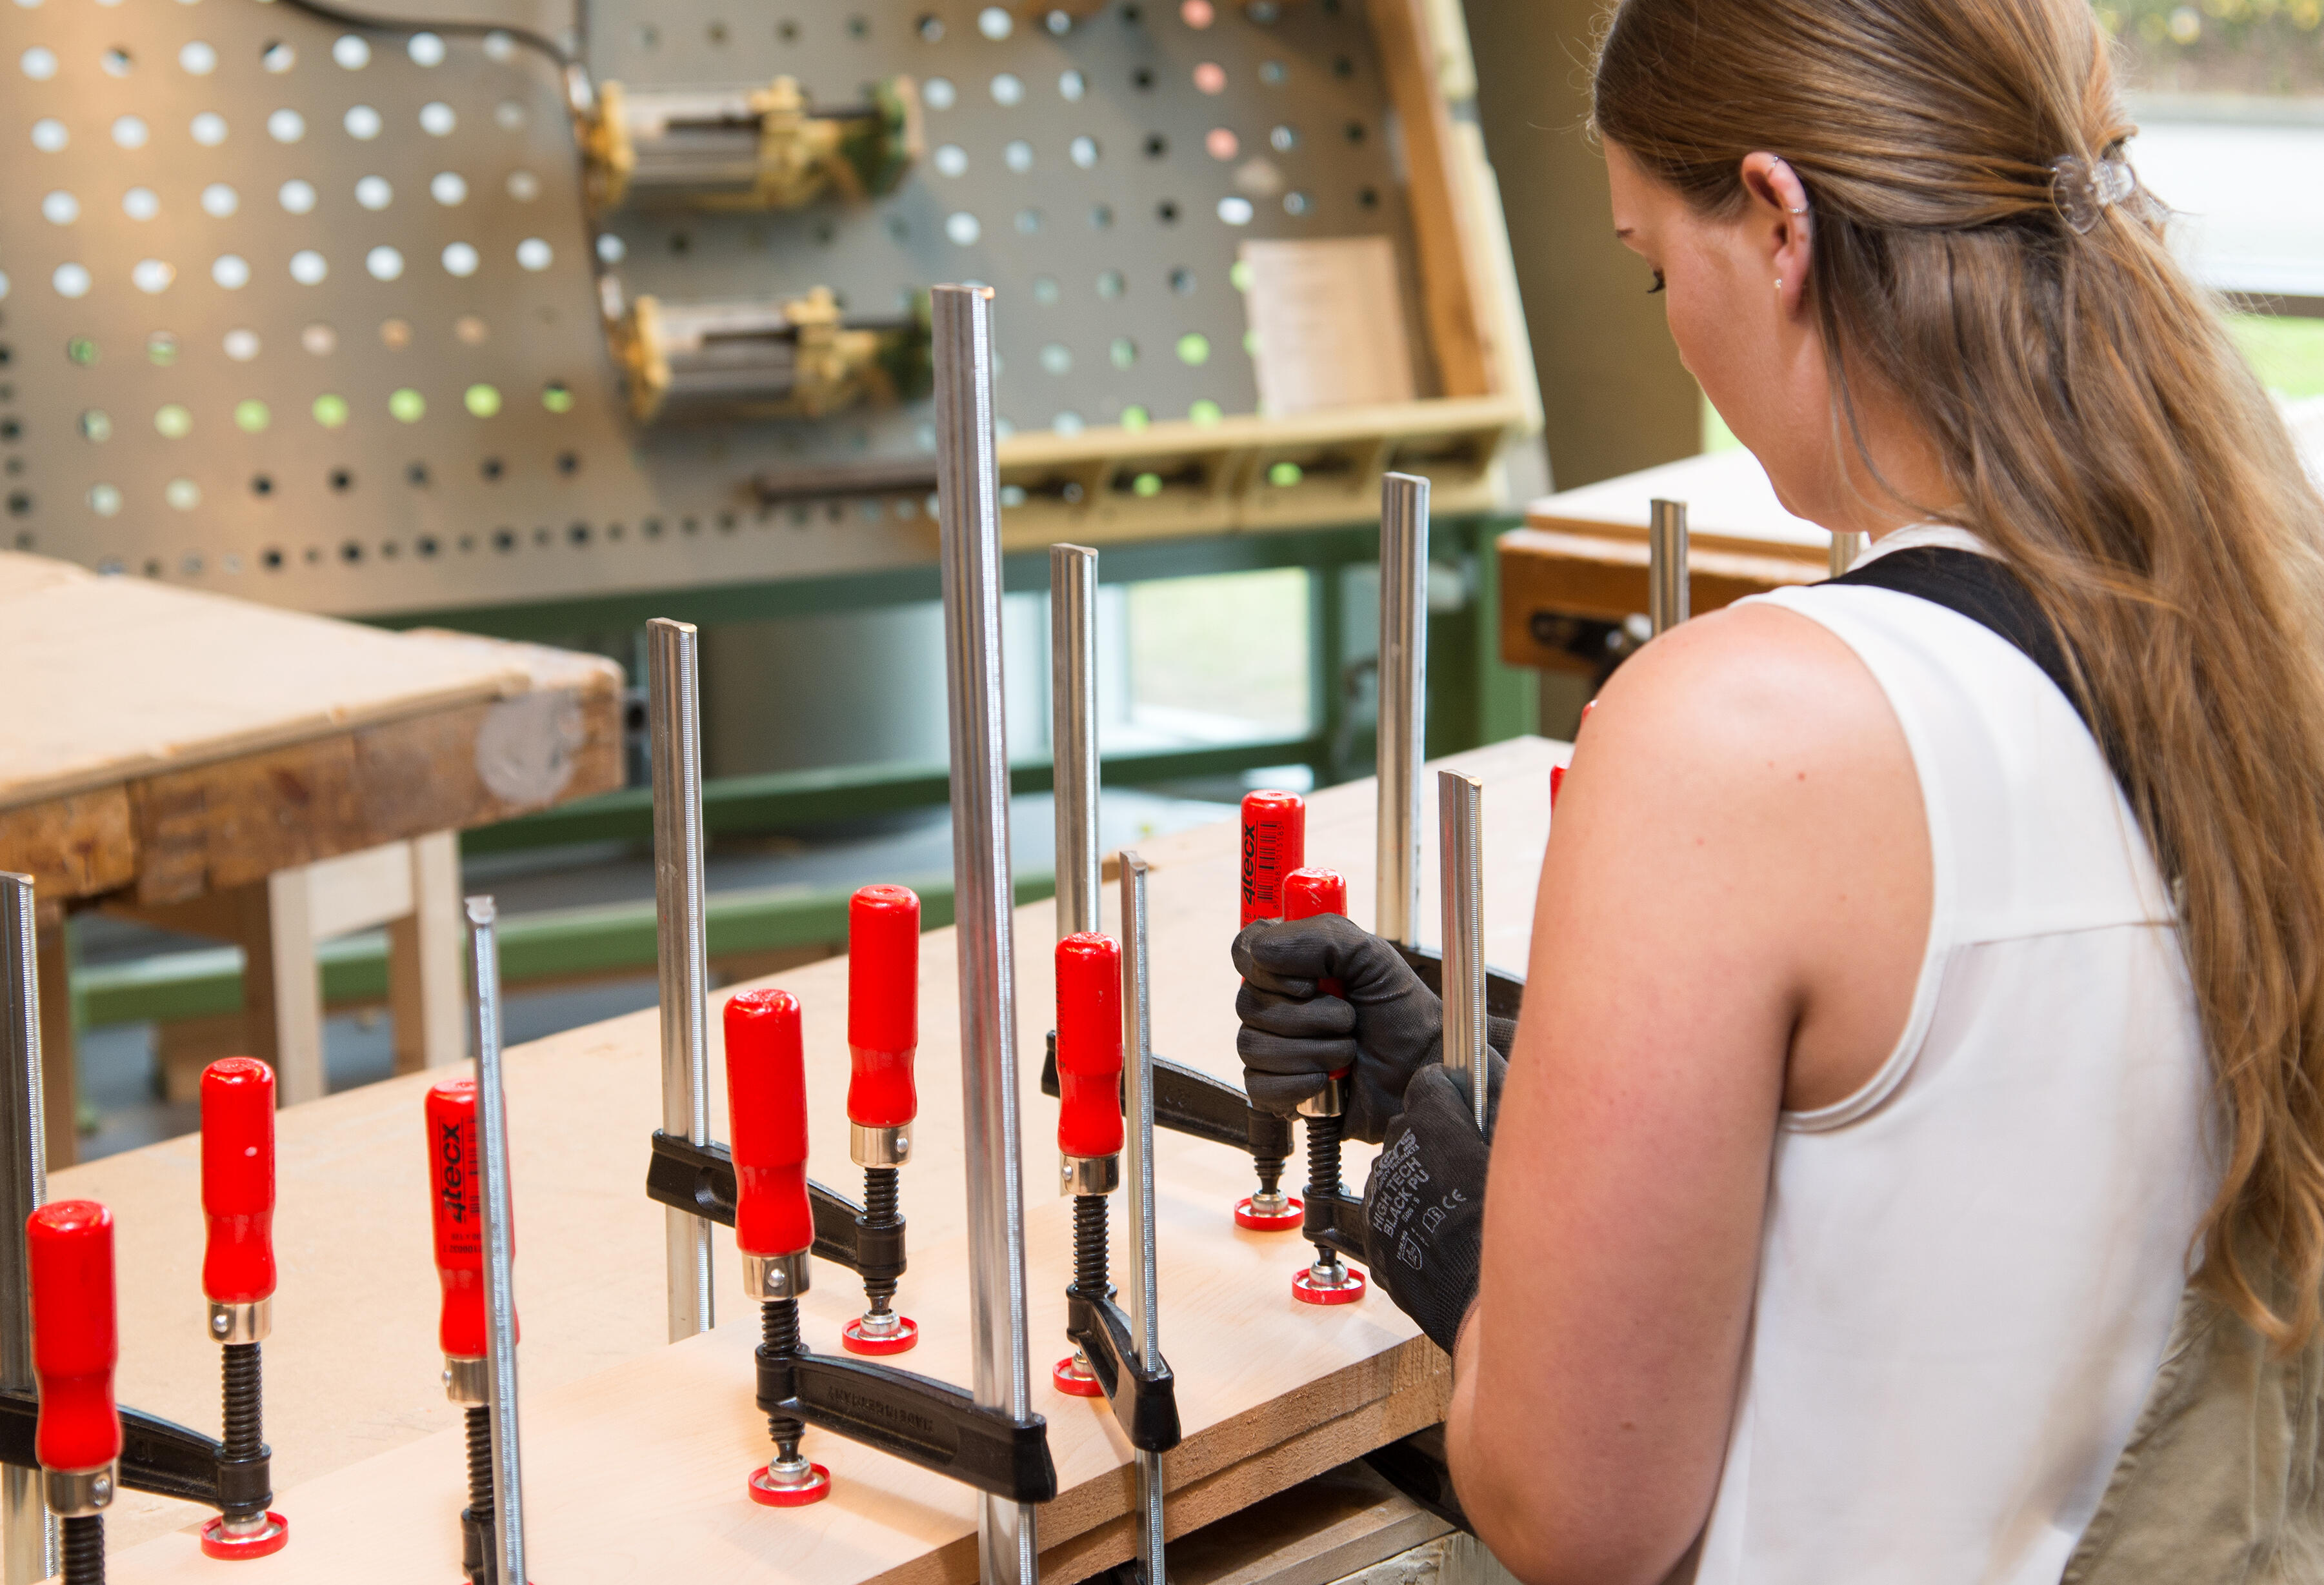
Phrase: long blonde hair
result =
(2106, 438)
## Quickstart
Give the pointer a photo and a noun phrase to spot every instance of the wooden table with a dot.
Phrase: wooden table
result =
(1582, 553)
(657, 1438)
(272, 779)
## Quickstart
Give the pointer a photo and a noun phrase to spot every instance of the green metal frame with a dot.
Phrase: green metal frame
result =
(1472, 699)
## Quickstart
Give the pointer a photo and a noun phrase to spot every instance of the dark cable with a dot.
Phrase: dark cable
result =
(380, 24)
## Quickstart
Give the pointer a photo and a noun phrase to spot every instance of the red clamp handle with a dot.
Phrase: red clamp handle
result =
(766, 1104)
(1273, 845)
(75, 1343)
(238, 1180)
(456, 1184)
(1557, 772)
(883, 1005)
(1089, 1045)
(1309, 892)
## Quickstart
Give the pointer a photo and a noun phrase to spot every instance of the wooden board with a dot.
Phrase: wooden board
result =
(352, 1369)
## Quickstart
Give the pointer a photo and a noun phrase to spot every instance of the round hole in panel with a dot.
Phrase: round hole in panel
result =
(40, 63)
(1197, 14)
(1056, 358)
(331, 412)
(995, 23)
(161, 349)
(308, 267)
(384, 263)
(231, 271)
(341, 479)
(70, 280)
(611, 248)
(407, 405)
(219, 200)
(1028, 221)
(483, 400)
(533, 254)
(240, 344)
(1100, 217)
(1142, 78)
(1272, 73)
(1157, 147)
(1067, 423)
(568, 463)
(425, 49)
(938, 94)
(1193, 349)
(320, 339)
(1018, 155)
(1059, 23)
(500, 46)
(460, 258)
(81, 350)
(524, 186)
(931, 29)
(173, 422)
(140, 203)
(1166, 211)
(395, 334)
(471, 331)
(1110, 284)
(130, 132)
(49, 134)
(951, 160)
(960, 226)
(197, 58)
(208, 129)
(1235, 209)
(278, 57)
(182, 493)
(103, 500)
(286, 125)
(251, 416)
(1146, 485)
(1296, 203)
(1083, 152)
(437, 119)
(1007, 89)
(1367, 198)
(1221, 143)
(361, 123)
(373, 192)
(152, 275)
(557, 397)
(297, 197)
(1284, 138)
(1211, 77)
(508, 115)
(1045, 289)
(116, 61)
(96, 425)
(1123, 353)
(1072, 86)
(447, 188)
(1239, 275)
(60, 208)
(4, 287)
(352, 51)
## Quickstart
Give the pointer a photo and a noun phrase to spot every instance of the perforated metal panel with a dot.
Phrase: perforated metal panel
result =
(376, 379)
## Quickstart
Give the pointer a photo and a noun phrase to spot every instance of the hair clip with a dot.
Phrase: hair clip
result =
(2083, 190)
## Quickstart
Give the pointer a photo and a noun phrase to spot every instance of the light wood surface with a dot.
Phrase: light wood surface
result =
(1274, 1391)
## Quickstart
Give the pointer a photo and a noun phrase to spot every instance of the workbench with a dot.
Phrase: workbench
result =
(636, 1448)
(272, 779)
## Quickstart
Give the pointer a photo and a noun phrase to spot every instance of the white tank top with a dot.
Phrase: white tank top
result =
(1971, 1265)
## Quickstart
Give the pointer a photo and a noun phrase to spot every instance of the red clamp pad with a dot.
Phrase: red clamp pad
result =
(1273, 845)
(1309, 892)
(1294, 1213)
(766, 1104)
(70, 1248)
(456, 1184)
(883, 1005)
(814, 1489)
(856, 1341)
(1556, 783)
(1089, 1045)
(238, 1180)
(1309, 1293)
(1072, 1381)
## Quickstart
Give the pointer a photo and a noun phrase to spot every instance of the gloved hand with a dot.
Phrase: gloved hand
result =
(1424, 1201)
(1385, 1024)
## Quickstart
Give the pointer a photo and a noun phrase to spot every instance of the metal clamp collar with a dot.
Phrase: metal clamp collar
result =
(880, 1145)
(1089, 1175)
(242, 1323)
(770, 1278)
(467, 1381)
(76, 1494)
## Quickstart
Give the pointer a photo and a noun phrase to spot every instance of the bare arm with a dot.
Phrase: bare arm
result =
(1731, 918)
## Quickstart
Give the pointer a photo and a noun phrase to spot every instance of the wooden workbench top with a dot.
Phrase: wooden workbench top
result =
(351, 1370)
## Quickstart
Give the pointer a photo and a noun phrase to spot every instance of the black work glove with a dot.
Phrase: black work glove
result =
(1424, 1201)
(1383, 1023)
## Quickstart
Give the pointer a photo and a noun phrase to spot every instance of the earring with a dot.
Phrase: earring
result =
(1779, 284)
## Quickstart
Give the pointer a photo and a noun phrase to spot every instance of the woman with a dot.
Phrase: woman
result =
(1893, 1053)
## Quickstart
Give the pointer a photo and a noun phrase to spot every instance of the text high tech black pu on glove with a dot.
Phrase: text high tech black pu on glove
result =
(1424, 1203)
(1385, 1023)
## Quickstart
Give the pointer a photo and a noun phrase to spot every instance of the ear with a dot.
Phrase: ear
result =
(1780, 221)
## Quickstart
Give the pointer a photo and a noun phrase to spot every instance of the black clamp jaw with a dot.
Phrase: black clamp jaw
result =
(1145, 1401)
(916, 1418)
(157, 1456)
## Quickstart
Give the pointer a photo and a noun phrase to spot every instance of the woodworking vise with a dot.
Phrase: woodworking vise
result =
(763, 148)
(795, 358)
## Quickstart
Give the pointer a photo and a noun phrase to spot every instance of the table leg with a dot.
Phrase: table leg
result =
(426, 986)
(281, 984)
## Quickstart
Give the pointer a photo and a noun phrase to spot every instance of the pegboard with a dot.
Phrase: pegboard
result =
(312, 314)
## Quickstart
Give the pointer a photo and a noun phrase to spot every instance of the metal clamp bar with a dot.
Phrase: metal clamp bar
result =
(1460, 830)
(969, 536)
(674, 717)
(500, 1292)
(1403, 701)
(1668, 595)
(699, 1180)
(1145, 1285)
(1073, 731)
(28, 1530)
